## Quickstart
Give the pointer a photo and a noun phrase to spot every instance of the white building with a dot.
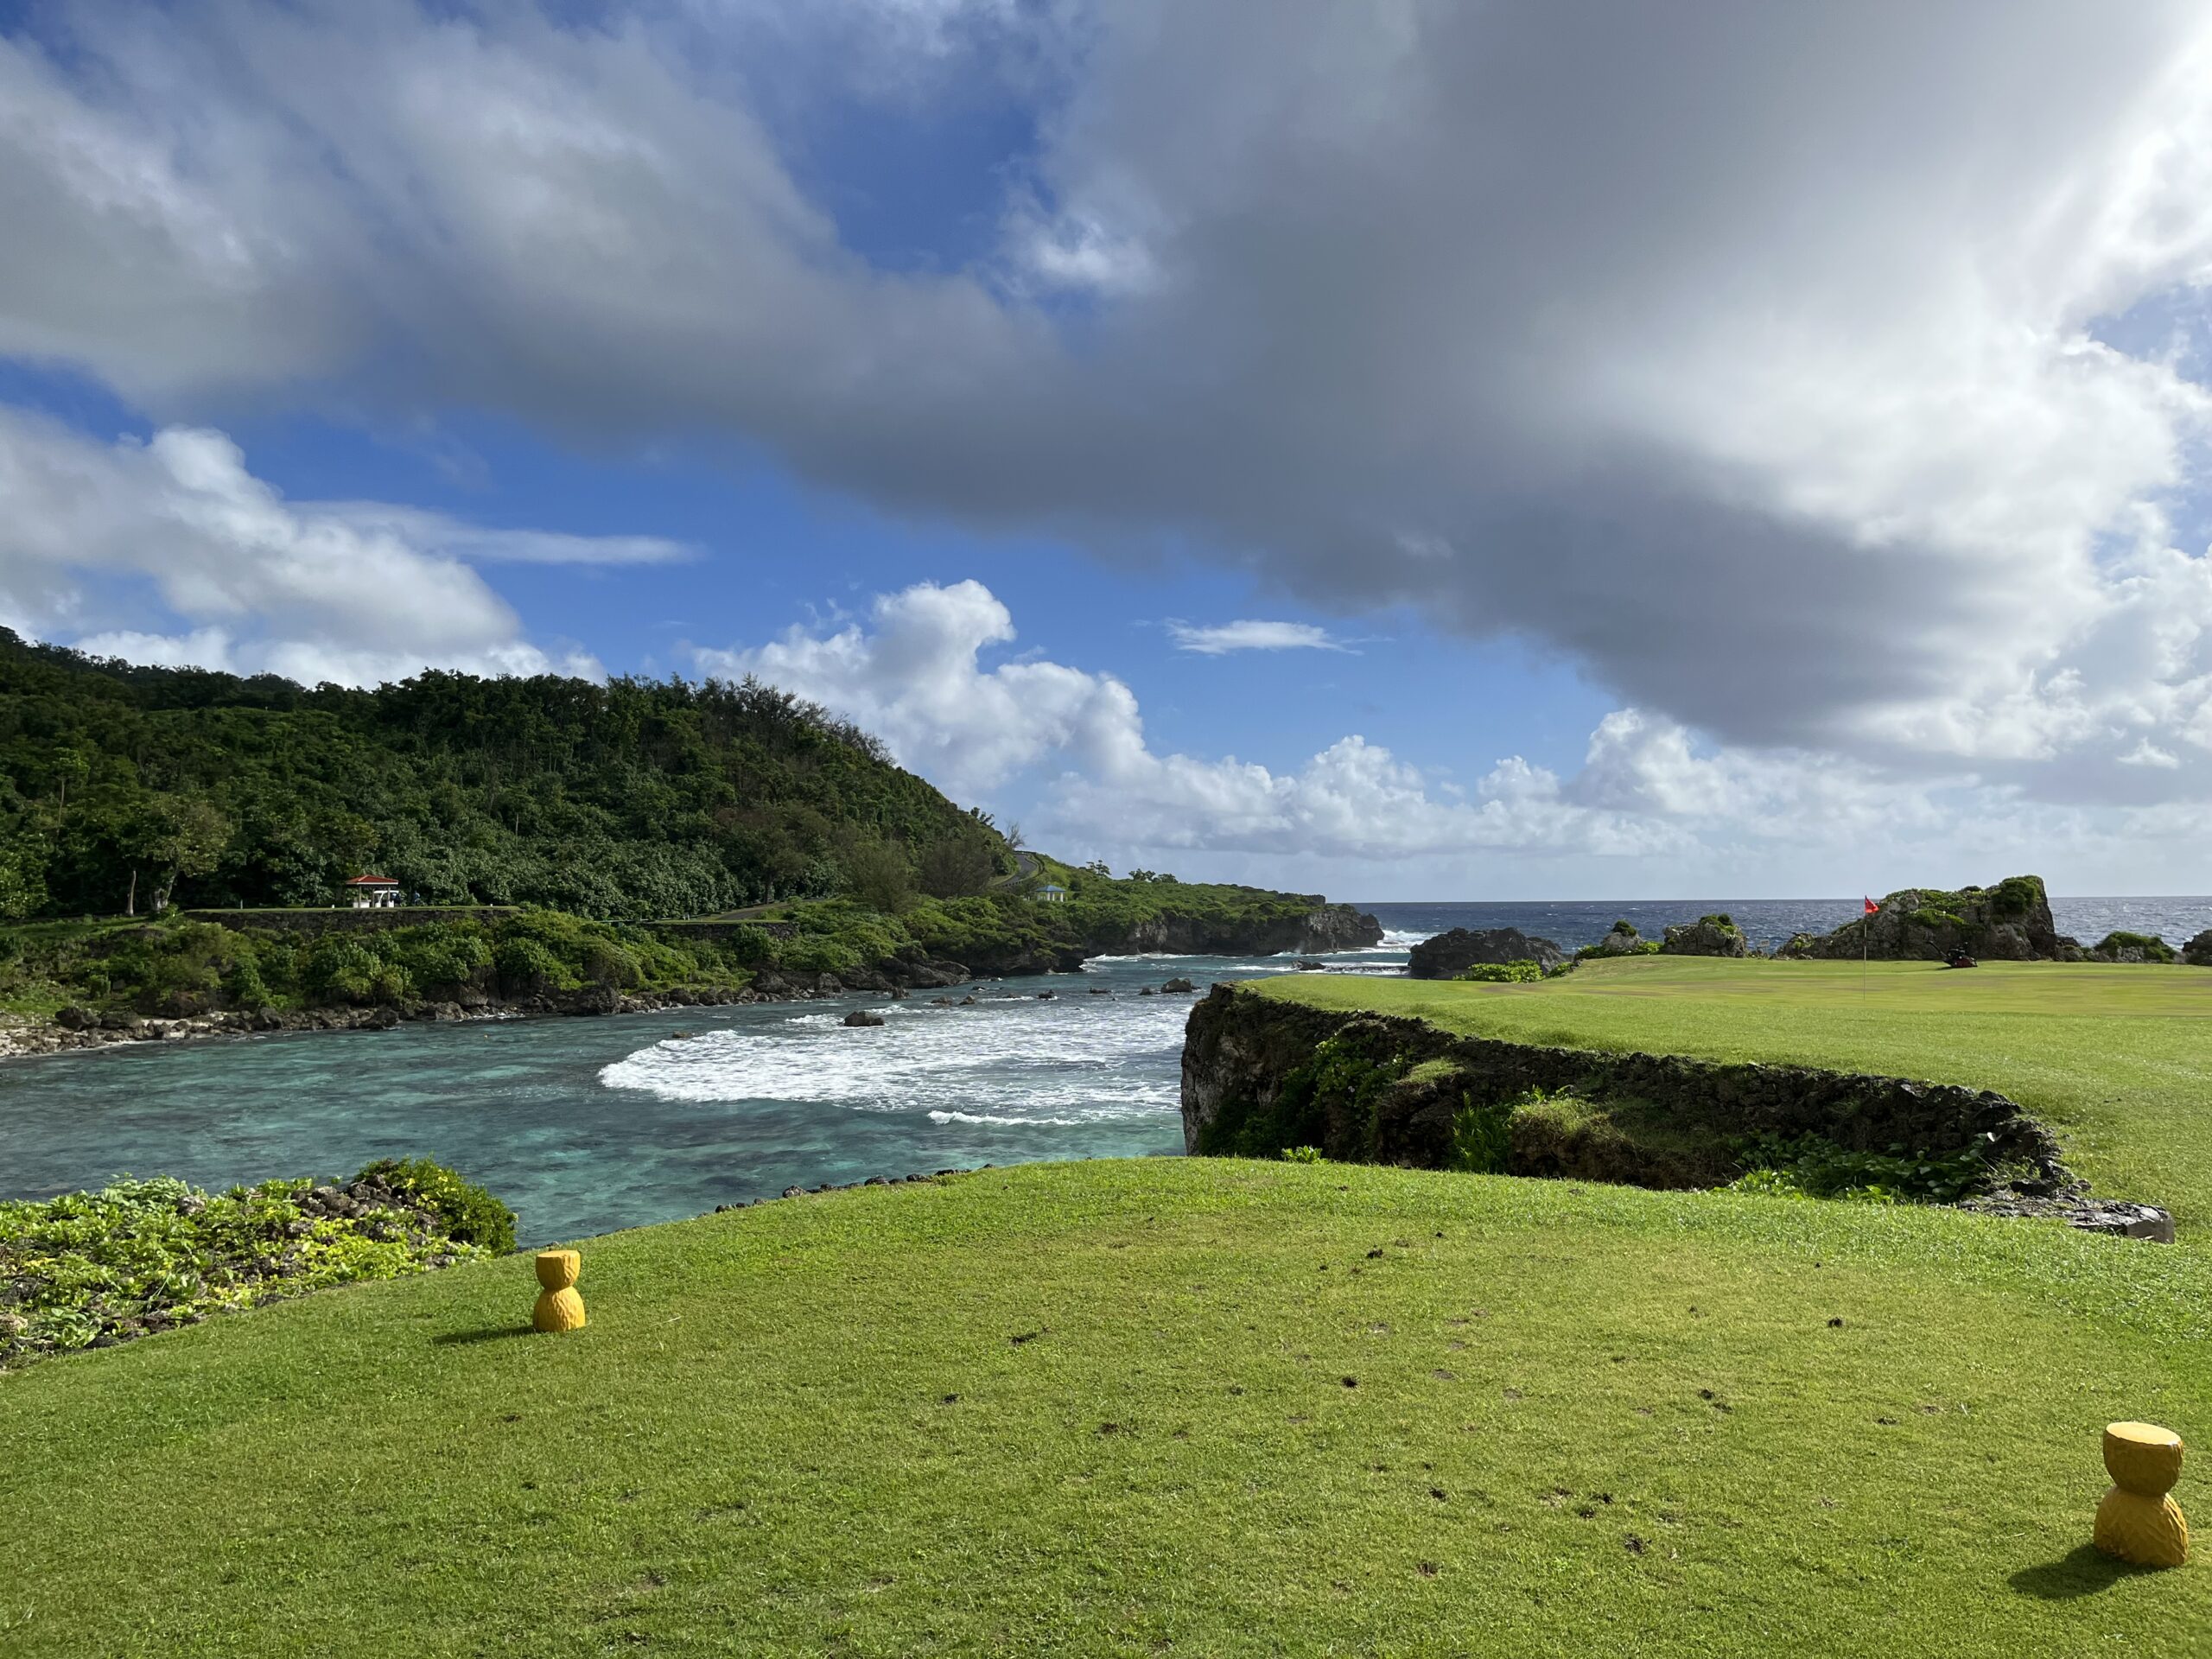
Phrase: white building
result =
(372, 892)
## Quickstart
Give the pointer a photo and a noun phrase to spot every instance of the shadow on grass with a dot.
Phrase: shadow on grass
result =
(489, 1333)
(2081, 1572)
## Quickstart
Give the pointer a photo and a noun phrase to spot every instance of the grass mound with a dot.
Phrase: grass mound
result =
(2118, 1060)
(1202, 1406)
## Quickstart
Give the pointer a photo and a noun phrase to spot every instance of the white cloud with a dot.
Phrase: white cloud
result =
(1252, 635)
(95, 536)
(1760, 358)
(914, 681)
(913, 674)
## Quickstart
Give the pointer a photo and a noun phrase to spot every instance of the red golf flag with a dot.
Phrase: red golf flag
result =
(1871, 905)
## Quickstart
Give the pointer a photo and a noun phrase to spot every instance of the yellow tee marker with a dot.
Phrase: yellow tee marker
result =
(559, 1307)
(2138, 1520)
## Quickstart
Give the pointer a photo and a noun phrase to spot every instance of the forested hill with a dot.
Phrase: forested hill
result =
(635, 799)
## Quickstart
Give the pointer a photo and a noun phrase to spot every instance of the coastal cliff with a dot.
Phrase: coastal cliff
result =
(1262, 1075)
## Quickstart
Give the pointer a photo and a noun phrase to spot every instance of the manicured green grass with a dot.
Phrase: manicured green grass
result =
(2117, 1060)
(1103, 1409)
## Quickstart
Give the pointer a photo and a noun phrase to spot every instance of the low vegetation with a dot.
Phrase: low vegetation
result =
(176, 965)
(91, 1269)
(1502, 973)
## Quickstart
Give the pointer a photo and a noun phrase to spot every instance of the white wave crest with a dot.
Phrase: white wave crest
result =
(1009, 1122)
(1063, 1062)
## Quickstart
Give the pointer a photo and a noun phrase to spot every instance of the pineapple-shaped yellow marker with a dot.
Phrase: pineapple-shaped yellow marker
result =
(559, 1307)
(2137, 1522)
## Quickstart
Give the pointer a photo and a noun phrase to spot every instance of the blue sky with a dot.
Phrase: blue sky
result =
(1603, 523)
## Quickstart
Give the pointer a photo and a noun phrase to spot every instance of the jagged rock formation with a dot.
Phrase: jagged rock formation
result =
(1449, 955)
(1621, 940)
(2130, 948)
(2010, 922)
(1708, 936)
(2197, 953)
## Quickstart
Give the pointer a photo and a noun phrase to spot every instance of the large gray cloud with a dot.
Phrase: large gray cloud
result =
(1749, 353)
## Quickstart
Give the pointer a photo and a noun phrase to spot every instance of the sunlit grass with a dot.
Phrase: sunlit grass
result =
(1194, 1406)
(2117, 1060)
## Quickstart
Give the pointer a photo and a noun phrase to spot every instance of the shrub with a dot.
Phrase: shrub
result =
(1503, 973)
(1303, 1155)
(471, 1215)
(439, 957)
(1481, 1135)
(2154, 949)
(879, 876)
(340, 970)
(607, 962)
(244, 987)
(1902, 1174)
(142, 1256)
(525, 964)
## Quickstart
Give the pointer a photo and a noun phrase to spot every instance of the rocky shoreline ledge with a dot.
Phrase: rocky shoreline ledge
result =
(78, 1029)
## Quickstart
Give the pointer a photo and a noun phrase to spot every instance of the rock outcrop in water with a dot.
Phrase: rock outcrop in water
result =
(2010, 922)
(1449, 955)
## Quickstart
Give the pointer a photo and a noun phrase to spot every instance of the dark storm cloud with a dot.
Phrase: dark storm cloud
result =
(1743, 352)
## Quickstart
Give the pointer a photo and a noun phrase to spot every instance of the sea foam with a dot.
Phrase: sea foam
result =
(1063, 1063)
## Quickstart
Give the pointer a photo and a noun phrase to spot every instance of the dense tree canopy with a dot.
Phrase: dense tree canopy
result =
(638, 798)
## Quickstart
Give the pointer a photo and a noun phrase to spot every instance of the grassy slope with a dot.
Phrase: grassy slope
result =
(2118, 1059)
(753, 1447)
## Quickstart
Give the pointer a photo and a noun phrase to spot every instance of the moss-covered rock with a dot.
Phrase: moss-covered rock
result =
(2010, 922)
(1448, 956)
(1708, 936)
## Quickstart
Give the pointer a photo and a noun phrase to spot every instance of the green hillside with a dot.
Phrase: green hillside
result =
(634, 798)
(1202, 1406)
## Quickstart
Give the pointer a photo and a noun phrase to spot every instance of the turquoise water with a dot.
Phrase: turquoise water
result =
(585, 1125)
(590, 1124)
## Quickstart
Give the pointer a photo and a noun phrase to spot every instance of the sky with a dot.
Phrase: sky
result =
(1413, 450)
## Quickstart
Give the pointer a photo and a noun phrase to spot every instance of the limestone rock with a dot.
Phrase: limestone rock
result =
(2197, 953)
(1708, 936)
(860, 1017)
(1448, 954)
(2010, 922)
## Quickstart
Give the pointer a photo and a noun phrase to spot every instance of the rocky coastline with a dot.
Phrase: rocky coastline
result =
(1327, 927)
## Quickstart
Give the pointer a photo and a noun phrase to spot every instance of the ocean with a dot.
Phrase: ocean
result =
(586, 1125)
